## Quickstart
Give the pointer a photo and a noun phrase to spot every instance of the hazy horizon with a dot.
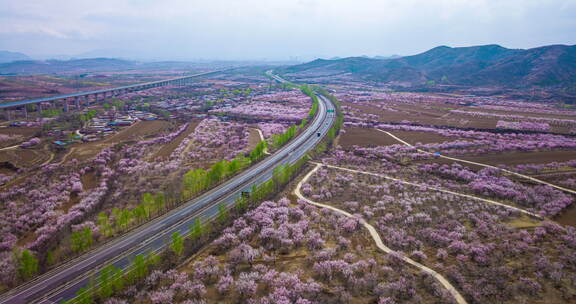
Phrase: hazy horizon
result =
(276, 30)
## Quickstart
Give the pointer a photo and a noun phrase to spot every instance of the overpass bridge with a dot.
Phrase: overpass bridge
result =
(78, 99)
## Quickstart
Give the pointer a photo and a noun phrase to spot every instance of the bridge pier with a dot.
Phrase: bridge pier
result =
(66, 106)
(12, 110)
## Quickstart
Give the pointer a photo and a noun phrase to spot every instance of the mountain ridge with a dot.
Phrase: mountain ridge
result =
(485, 65)
(7, 56)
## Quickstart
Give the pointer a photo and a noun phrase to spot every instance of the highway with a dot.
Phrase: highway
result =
(63, 282)
(133, 87)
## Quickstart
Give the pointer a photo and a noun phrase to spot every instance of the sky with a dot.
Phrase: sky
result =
(276, 29)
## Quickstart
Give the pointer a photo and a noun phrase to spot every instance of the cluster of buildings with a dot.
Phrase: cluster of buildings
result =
(108, 123)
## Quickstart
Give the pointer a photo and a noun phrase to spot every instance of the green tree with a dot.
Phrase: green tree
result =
(222, 213)
(177, 244)
(116, 212)
(278, 140)
(148, 204)
(139, 213)
(159, 202)
(105, 282)
(72, 136)
(241, 203)
(216, 173)
(140, 267)
(152, 258)
(196, 229)
(81, 240)
(243, 161)
(124, 219)
(118, 280)
(232, 167)
(84, 296)
(83, 117)
(51, 112)
(77, 243)
(281, 174)
(195, 181)
(91, 114)
(87, 236)
(104, 224)
(258, 151)
(50, 258)
(27, 264)
(117, 103)
(303, 123)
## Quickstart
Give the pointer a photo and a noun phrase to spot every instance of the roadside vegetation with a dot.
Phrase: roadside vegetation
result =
(470, 193)
(493, 235)
(81, 201)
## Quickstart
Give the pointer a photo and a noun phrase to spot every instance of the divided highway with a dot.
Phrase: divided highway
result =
(63, 282)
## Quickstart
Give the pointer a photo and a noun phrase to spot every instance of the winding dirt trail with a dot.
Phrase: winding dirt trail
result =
(435, 189)
(52, 155)
(262, 138)
(10, 148)
(376, 237)
(482, 165)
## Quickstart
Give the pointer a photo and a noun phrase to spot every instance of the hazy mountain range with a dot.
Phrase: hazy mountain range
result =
(488, 65)
(6, 56)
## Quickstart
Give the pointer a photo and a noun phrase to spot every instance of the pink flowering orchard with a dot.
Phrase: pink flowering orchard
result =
(74, 201)
(446, 177)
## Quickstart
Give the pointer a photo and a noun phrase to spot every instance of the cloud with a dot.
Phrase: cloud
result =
(277, 29)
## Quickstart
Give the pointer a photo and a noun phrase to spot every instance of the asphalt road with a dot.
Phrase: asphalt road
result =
(63, 282)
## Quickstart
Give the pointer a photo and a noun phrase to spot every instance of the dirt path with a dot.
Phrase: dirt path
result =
(48, 160)
(435, 189)
(167, 149)
(567, 172)
(484, 165)
(262, 138)
(10, 148)
(374, 234)
(65, 157)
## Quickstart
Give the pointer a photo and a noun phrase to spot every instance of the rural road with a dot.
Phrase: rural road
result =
(10, 148)
(482, 165)
(63, 282)
(532, 214)
(376, 237)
